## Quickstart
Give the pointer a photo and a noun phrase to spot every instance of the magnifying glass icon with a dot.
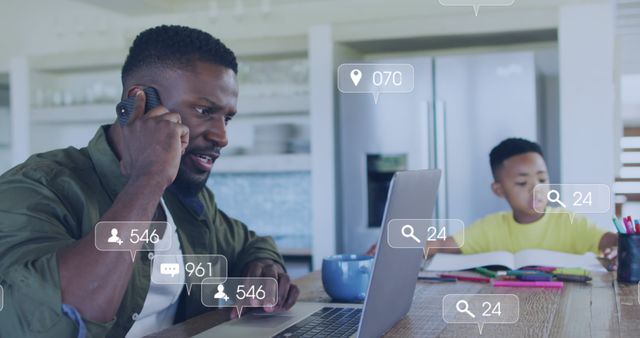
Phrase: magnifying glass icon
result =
(408, 232)
(463, 307)
(553, 196)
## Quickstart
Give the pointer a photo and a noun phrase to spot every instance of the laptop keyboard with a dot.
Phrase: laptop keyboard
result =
(326, 322)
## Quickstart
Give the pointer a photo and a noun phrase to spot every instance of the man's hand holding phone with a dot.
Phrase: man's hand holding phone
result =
(153, 143)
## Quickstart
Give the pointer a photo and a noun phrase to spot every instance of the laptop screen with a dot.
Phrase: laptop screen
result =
(412, 195)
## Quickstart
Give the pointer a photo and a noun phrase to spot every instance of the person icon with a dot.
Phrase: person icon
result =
(114, 237)
(220, 294)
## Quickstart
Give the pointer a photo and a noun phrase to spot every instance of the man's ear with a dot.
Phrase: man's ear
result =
(497, 189)
(131, 91)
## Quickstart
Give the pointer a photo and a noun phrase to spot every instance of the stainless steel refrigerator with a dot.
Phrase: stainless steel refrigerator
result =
(460, 108)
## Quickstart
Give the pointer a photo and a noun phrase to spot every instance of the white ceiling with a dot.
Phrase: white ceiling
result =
(215, 7)
(239, 7)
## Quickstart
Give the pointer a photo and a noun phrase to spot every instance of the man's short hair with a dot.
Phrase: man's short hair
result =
(509, 148)
(175, 47)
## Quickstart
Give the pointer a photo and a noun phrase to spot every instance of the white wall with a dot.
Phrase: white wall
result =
(5, 138)
(587, 116)
(323, 175)
(19, 105)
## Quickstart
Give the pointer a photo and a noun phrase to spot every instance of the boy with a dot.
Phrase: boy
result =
(518, 166)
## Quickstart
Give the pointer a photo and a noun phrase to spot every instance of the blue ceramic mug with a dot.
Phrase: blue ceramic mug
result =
(346, 277)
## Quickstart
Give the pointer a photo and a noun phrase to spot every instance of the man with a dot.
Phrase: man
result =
(153, 168)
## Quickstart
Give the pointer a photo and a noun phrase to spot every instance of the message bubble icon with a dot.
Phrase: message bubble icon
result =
(375, 78)
(187, 269)
(572, 199)
(480, 309)
(476, 4)
(171, 269)
(133, 236)
(240, 292)
(424, 233)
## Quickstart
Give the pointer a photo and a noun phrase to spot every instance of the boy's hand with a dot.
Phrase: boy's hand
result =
(447, 245)
(372, 250)
(609, 247)
(610, 260)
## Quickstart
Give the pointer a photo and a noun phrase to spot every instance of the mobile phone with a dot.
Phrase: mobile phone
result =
(125, 107)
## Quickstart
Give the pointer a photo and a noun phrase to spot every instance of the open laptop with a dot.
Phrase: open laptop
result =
(412, 195)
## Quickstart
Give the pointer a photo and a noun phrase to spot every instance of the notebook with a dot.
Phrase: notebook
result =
(529, 257)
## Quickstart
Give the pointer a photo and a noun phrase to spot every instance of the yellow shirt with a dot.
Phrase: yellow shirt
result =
(554, 231)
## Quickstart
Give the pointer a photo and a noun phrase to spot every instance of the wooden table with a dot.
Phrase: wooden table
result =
(603, 308)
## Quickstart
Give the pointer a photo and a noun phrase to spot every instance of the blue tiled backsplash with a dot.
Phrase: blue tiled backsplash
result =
(275, 204)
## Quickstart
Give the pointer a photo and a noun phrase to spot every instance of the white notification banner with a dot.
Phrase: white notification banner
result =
(133, 236)
(423, 233)
(375, 78)
(239, 292)
(480, 309)
(188, 269)
(476, 4)
(572, 199)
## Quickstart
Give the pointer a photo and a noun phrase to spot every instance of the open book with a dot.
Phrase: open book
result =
(530, 257)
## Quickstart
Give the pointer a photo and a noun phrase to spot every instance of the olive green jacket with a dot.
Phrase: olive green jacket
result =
(56, 198)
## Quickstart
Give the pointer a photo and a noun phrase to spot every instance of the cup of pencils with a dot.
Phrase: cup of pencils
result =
(629, 252)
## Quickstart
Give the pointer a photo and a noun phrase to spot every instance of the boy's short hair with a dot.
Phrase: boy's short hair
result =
(509, 148)
(171, 47)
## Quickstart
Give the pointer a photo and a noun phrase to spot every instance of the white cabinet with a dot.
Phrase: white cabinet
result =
(270, 131)
(66, 103)
(263, 163)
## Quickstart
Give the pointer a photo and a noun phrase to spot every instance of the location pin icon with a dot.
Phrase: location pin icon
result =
(356, 75)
